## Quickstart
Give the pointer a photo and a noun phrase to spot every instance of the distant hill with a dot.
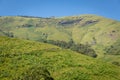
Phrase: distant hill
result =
(98, 32)
(30, 60)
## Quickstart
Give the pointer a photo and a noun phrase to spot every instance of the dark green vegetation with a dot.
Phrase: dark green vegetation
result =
(28, 60)
(101, 34)
(35, 73)
(114, 49)
(80, 48)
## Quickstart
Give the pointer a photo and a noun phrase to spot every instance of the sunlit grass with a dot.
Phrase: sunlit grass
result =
(18, 57)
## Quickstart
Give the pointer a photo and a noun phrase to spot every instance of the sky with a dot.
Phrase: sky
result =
(59, 8)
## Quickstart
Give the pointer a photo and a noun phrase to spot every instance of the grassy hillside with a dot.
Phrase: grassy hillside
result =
(27, 60)
(99, 32)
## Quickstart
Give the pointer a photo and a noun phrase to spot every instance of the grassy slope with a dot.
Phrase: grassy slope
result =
(105, 31)
(16, 56)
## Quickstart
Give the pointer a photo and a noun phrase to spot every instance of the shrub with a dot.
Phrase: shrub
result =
(36, 73)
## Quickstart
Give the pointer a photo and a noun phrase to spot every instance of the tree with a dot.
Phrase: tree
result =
(80, 48)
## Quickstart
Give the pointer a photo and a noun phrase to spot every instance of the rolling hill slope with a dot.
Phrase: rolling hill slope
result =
(26, 60)
(98, 32)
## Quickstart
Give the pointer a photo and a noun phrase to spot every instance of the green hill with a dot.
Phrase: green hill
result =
(98, 32)
(28, 60)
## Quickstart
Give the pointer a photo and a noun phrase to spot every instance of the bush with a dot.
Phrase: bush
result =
(36, 73)
(116, 63)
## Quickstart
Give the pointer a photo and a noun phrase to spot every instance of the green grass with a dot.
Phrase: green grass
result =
(105, 31)
(20, 58)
